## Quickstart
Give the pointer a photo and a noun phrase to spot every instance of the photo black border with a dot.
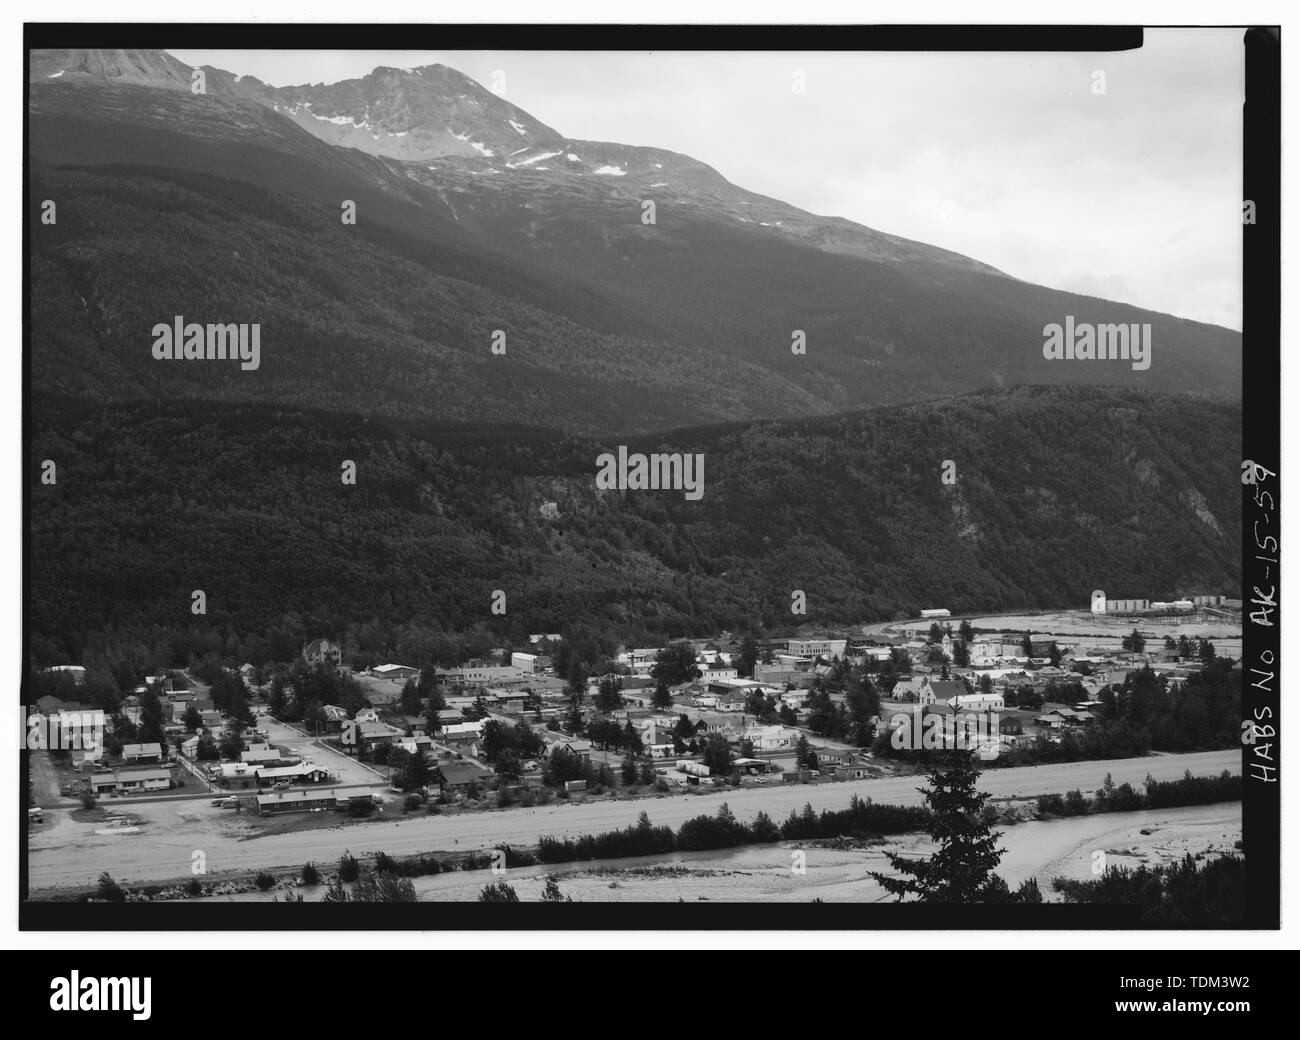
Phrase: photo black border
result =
(1261, 414)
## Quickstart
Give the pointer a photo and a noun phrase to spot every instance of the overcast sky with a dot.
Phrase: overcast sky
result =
(1012, 159)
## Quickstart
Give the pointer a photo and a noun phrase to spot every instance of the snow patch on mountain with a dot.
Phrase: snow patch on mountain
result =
(533, 159)
(611, 171)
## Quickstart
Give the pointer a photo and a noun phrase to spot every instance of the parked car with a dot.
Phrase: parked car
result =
(283, 785)
(36, 815)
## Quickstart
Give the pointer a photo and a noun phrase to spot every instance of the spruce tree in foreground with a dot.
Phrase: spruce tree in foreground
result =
(961, 871)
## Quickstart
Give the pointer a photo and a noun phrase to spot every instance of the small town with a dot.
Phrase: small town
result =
(698, 715)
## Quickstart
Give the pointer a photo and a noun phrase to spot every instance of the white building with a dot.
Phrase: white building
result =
(475, 672)
(526, 663)
(817, 647)
(771, 738)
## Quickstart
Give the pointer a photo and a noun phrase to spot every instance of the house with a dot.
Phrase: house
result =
(733, 701)
(366, 715)
(771, 738)
(102, 783)
(132, 753)
(512, 701)
(302, 773)
(795, 699)
(295, 801)
(908, 689)
(980, 701)
(260, 754)
(248, 674)
(450, 716)
(418, 743)
(459, 777)
(581, 748)
(323, 652)
(370, 733)
(136, 780)
(940, 690)
(335, 717)
(234, 774)
(459, 732)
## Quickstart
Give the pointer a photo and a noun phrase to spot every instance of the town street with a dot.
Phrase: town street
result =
(74, 855)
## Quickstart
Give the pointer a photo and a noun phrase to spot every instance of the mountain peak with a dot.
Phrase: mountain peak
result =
(424, 113)
(153, 68)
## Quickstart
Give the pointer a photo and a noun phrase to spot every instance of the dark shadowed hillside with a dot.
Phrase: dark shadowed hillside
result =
(1058, 492)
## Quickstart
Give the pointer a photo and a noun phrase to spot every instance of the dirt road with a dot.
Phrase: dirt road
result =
(69, 854)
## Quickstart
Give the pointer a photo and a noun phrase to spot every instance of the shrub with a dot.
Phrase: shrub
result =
(1075, 805)
(498, 892)
(411, 802)
(109, 889)
(310, 875)
(87, 800)
(1051, 805)
(193, 887)
(349, 868)
(265, 880)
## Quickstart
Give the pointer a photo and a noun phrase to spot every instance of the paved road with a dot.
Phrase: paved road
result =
(158, 856)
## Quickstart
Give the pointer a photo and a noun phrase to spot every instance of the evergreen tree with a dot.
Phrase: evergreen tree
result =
(151, 718)
(961, 871)
(747, 657)
(573, 717)
(192, 719)
(608, 697)
(1134, 642)
(663, 698)
(410, 699)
